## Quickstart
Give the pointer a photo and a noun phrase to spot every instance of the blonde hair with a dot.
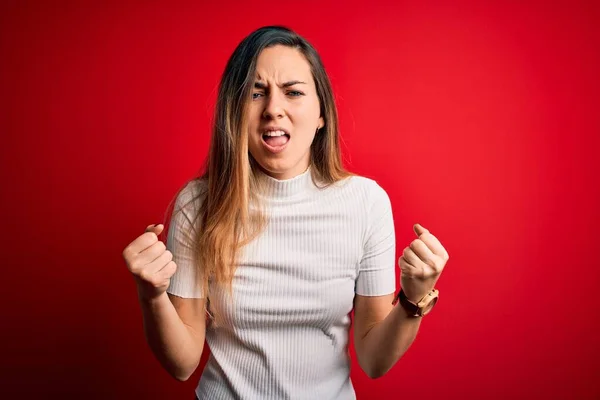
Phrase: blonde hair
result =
(231, 176)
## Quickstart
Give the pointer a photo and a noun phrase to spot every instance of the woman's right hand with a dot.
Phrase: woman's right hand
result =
(150, 263)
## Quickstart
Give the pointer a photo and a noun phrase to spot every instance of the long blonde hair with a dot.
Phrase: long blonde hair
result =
(224, 222)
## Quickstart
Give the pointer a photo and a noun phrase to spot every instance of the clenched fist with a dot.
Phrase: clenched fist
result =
(421, 264)
(150, 263)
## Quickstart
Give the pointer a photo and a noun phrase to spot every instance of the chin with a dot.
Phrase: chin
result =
(277, 168)
(274, 167)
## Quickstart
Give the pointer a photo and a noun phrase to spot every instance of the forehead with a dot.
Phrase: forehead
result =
(281, 63)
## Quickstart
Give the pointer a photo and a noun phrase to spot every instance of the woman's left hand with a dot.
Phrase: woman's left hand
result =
(421, 264)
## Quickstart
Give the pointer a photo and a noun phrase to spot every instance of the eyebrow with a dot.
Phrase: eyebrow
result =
(262, 85)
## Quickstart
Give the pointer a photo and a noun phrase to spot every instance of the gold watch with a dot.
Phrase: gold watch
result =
(422, 307)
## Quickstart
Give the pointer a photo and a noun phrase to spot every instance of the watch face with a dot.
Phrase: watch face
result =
(423, 307)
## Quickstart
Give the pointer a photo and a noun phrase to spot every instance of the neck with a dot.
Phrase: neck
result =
(299, 185)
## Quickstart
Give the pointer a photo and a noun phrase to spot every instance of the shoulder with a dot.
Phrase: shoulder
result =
(371, 192)
(190, 196)
(191, 191)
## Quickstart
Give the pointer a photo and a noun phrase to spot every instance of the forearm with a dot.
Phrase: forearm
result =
(387, 341)
(171, 341)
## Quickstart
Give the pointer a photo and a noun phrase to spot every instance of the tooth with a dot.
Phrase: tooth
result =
(274, 133)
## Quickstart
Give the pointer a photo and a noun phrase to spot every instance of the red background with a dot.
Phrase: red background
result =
(480, 119)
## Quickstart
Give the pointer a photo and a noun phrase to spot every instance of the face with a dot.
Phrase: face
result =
(284, 112)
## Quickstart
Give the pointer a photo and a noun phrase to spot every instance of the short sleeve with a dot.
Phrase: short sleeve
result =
(181, 241)
(377, 270)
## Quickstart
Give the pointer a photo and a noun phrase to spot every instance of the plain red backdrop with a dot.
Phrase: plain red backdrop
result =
(480, 120)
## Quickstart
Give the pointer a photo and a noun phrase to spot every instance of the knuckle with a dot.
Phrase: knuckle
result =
(171, 268)
(135, 266)
(126, 252)
(145, 276)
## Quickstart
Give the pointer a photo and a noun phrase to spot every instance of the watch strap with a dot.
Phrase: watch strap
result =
(416, 309)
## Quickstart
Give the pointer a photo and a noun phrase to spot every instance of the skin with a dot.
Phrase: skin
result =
(382, 332)
(293, 107)
(175, 327)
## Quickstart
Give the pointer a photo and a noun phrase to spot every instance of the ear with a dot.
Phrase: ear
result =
(321, 123)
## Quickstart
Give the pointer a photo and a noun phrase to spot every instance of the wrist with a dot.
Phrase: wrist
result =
(414, 297)
(151, 300)
(420, 307)
(416, 289)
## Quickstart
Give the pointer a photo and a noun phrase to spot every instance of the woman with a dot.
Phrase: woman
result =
(278, 244)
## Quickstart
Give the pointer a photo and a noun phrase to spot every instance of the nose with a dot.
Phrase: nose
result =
(274, 107)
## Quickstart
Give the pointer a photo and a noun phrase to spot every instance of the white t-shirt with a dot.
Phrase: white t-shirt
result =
(285, 334)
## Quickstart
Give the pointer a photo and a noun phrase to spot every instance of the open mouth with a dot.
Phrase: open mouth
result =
(275, 139)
